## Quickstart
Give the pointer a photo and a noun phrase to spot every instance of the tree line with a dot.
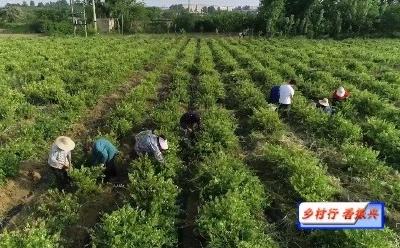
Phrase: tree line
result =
(311, 18)
(333, 18)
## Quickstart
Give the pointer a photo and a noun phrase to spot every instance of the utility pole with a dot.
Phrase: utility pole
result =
(84, 17)
(71, 2)
(76, 14)
(94, 17)
(122, 29)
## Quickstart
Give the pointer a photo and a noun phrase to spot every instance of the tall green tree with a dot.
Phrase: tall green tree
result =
(271, 11)
(11, 14)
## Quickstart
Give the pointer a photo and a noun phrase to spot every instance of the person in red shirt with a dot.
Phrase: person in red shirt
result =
(340, 95)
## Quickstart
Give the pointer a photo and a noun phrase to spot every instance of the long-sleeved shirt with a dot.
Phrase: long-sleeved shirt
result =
(103, 151)
(147, 143)
(59, 158)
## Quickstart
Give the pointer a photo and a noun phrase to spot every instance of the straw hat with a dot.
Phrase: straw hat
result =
(163, 143)
(340, 91)
(65, 143)
(324, 102)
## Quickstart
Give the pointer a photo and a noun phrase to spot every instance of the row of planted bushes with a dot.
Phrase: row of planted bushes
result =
(362, 104)
(311, 116)
(46, 92)
(149, 218)
(379, 120)
(306, 176)
(381, 134)
(58, 212)
(231, 197)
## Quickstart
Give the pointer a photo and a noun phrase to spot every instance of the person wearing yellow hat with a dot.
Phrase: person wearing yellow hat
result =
(60, 159)
(146, 142)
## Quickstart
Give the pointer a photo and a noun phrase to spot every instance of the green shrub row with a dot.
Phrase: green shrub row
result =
(231, 197)
(152, 188)
(306, 113)
(306, 174)
(42, 105)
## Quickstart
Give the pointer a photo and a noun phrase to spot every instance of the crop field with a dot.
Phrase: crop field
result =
(239, 183)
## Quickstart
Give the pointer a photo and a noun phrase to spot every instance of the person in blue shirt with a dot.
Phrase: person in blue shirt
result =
(104, 153)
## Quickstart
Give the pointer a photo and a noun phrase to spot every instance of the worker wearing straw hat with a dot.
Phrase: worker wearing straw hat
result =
(324, 106)
(60, 159)
(340, 95)
(146, 142)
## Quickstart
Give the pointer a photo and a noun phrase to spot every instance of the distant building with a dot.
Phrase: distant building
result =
(196, 8)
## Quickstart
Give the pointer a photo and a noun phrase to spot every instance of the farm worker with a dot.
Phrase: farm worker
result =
(286, 93)
(274, 95)
(146, 142)
(60, 159)
(190, 121)
(104, 153)
(340, 95)
(324, 106)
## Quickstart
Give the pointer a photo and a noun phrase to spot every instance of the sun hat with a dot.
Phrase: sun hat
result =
(163, 143)
(324, 102)
(65, 143)
(340, 92)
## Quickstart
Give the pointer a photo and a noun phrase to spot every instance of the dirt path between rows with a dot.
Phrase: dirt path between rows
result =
(33, 177)
(188, 235)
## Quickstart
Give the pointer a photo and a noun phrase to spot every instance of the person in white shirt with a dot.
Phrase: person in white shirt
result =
(286, 93)
(60, 159)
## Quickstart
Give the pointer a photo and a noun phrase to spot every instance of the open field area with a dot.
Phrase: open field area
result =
(238, 183)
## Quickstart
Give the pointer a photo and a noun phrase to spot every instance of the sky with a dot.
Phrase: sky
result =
(167, 3)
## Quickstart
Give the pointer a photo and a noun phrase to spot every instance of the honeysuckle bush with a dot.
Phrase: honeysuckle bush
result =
(152, 205)
(128, 115)
(220, 174)
(55, 85)
(384, 137)
(132, 227)
(223, 175)
(33, 235)
(353, 157)
(151, 191)
(59, 209)
(219, 136)
(208, 92)
(363, 104)
(267, 121)
(85, 179)
(243, 95)
(383, 180)
(228, 221)
(356, 238)
(306, 173)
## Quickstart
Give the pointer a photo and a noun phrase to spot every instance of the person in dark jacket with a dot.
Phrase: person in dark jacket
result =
(190, 122)
(104, 153)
